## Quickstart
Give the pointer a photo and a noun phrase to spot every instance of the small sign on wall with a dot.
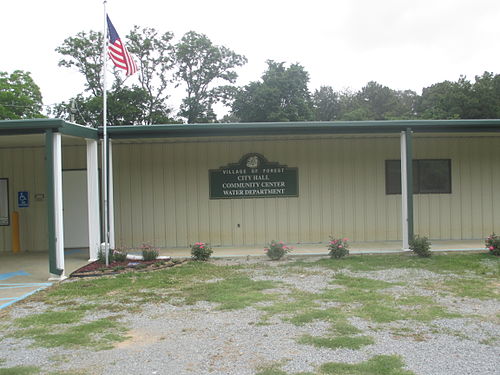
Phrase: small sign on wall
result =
(23, 199)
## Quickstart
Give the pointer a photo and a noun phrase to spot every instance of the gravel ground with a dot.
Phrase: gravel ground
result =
(199, 339)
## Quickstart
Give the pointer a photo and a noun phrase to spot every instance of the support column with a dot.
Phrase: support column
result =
(53, 166)
(406, 187)
(111, 203)
(93, 198)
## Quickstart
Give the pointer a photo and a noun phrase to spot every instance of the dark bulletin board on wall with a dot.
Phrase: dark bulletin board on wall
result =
(4, 202)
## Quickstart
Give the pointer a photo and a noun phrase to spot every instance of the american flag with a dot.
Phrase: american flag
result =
(118, 52)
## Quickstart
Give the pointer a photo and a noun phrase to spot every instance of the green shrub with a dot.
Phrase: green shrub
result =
(101, 256)
(119, 256)
(149, 252)
(420, 246)
(338, 248)
(276, 250)
(201, 251)
(493, 244)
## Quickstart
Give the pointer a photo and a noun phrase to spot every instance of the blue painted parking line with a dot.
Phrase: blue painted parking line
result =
(12, 300)
(17, 286)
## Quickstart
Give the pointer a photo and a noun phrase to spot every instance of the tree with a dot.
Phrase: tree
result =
(125, 106)
(326, 104)
(200, 64)
(377, 102)
(84, 52)
(20, 97)
(347, 103)
(446, 100)
(462, 99)
(143, 104)
(156, 60)
(282, 95)
(486, 91)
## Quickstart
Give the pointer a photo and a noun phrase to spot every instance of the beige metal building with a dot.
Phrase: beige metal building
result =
(345, 181)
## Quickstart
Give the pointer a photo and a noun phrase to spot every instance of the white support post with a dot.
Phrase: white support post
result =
(93, 199)
(58, 205)
(404, 193)
(111, 203)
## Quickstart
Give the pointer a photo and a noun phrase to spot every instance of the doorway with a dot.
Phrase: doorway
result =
(75, 209)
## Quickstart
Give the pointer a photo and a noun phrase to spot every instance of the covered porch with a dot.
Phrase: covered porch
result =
(39, 160)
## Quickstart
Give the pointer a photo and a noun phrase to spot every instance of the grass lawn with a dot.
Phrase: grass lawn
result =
(379, 290)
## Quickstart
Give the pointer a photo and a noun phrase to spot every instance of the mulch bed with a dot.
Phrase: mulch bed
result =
(97, 268)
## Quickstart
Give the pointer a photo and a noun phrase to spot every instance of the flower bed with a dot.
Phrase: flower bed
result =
(97, 268)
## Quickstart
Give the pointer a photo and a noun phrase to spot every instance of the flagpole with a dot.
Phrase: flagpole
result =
(105, 138)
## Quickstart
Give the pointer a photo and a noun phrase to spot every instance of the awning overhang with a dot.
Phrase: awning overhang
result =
(302, 128)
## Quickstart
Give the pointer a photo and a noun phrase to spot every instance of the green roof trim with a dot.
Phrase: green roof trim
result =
(40, 126)
(32, 126)
(79, 131)
(301, 128)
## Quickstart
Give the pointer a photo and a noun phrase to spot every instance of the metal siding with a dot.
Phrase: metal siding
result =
(466, 191)
(326, 191)
(148, 204)
(495, 184)
(485, 156)
(336, 187)
(341, 192)
(305, 193)
(136, 196)
(466, 213)
(170, 202)
(371, 195)
(74, 157)
(40, 226)
(455, 204)
(158, 214)
(123, 196)
(476, 192)
(349, 203)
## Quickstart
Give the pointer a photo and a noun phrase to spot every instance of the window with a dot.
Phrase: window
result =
(4, 201)
(430, 176)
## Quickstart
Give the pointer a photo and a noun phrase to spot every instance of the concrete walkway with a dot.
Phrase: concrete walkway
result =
(26, 273)
(321, 248)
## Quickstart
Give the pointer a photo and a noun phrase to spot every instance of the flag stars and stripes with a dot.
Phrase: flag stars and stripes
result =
(118, 52)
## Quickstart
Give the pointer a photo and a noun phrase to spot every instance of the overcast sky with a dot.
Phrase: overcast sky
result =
(403, 44)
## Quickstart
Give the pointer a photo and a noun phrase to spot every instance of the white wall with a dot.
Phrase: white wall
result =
(161, 191)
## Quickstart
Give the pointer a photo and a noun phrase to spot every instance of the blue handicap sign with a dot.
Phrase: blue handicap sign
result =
(23, 199)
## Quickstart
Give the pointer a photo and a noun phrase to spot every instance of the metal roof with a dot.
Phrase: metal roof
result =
(302, 128)
(37, 126)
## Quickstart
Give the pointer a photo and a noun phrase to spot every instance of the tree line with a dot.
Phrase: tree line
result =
(207, 74)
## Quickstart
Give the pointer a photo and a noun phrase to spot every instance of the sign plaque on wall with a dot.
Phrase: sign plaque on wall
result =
(253, 177)
(23, 199)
